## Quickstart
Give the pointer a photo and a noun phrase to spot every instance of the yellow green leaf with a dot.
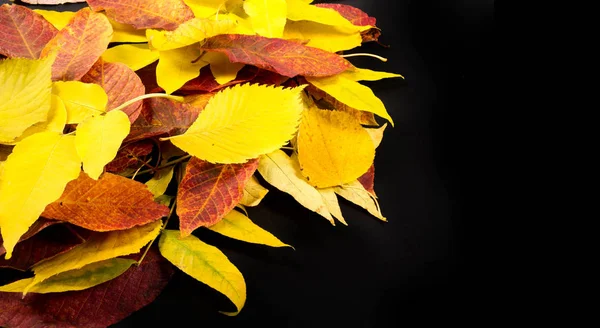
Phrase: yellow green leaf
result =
(135, 56)
(284, 174)
(351, 93)
(243, 122)
(333, 148)
(87, 277)
(333, 206)
(298, 10)
(253, 193)
(188, 33)
(160, 181)
(205, 8)
(57, 118)
(98, 247)
(82, 100)
(329, 38)
(377, 134)
(363, 74)
(57, 18)
(34, 175)
(268, 17)
(357, 194)
(206, 264)
(25, 97)
(177, 66)
(98, 140)
(222, 69)
(238, 226)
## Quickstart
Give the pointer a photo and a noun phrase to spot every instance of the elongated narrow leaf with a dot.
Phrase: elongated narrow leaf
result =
(188, 33)
(238, 125)
(209, 191)
(267, 16)
(23, 33)
(356, 193)
(328, 38)
(238, 226)
(284, 174)
(81, 100)
(110, 203)
(299, 10)
(285, 57)
(134, 56)
(79, 45)
(165, 14)
(177, 66)
(363, 74)
(333, 206)
(253, 193)
(206, 264)
(58, 19)
(33, 176)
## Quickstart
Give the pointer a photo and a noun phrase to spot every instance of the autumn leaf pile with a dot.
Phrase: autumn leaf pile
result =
(134, 123)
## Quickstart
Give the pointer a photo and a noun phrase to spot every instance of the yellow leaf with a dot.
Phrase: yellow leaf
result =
(205, 8)
(298, 10)
(253, 193)
(34, 175)
(56, 18)
(99, 247)
(333, 148)
(126, 33)
(268, 17)
(87, 277)
(98, 140)
(284, 174)
(238, 226)
(135, 56)
(329, 38)
(243, 122)
(57, 118)
(356, 193)
(25, 96)
(377, 134)
(160, 181)
(222, 69)
(363, 74)
(351, 93)
(206, 264)
(177, 66)
(82, 100)
(241, 25)
(333, 206)
(188, 33)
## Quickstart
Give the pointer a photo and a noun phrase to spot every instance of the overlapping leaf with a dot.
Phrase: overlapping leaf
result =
(188, 33)
(165, 14)
(81, 100)
(23, 33)
(267, 16)
(134, 56)
(130, 155)
(254, 193)
(238, 226)
(356, 17)
(356, 193)
(328, 38)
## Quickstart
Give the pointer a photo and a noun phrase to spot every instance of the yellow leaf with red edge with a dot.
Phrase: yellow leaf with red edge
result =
(268, 17)
(177, 66)
(135, 56)
(188, 33)
(81, 100)
(34, 175)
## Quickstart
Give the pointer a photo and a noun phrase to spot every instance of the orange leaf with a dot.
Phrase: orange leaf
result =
(109, 203)
(120, 83)
(285, 57)
(141, 14)
(23, 32)
(209, 191)
(79, 45)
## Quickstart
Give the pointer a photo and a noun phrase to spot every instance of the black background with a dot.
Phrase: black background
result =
(425, 264)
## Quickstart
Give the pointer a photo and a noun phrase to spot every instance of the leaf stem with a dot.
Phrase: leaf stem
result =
(168, 164)
(142, 97)
(139, 262)
(366, 55)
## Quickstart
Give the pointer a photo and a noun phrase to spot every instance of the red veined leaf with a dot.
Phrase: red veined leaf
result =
(23, 32)
(130, 155)
(141, 14)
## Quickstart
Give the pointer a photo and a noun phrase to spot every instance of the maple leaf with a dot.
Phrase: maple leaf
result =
(120, 84)
(238, 226)
(285, 57)
(209, 191)
(23, 33)
(267, 16)
(111, 203)
(79, 45)
(100, 306)
(142, 14)
(129, 156)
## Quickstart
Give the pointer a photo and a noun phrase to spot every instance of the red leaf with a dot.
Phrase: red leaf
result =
(120, 83)
(23, 32)
(206, 82)
(79, 45)
(130, 155)
(356, 17)
(110, 203)
(368, 180)
(285, 57)
(36, 227)
(209, 191)
(100, 306)
(165, 14)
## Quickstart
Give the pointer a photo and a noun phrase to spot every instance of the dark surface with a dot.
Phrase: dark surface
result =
(424, 263)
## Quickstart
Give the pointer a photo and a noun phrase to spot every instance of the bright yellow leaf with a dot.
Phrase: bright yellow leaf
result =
(57, 18)
(298, 10)
(177, 66)
(333, 206)
(333, 148)
(363, 74)
(188, 33)
(243, 122)
(357, 194)
(126, 33)
(98, 140)
(268, 17)
(329, 38)
(238, 226)
(253, 193)
(34, 175)
(82, 100)
(160, 181)
(57, 118)
(205, 8)
(99, 247)
(135, 56)
(222, 69)
(241, 25)
(377, 134)
(25, 97)
(351, 93)
(206, 264)
(284, 174)
(87, 277)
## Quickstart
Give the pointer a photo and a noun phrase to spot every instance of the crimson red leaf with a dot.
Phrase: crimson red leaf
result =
(99, 306)
(206, 82)
(120, 83)
(110, 203)
(130, 156)
(23, 32)
(285, 57)
(36, 227)
(368, 180)
(209, 191)
(165, 14)
(356, 17)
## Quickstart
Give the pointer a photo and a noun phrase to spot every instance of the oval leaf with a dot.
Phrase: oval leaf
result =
(23, 33)
(268, 17)
(81, 100)
(238, 226)
(165, 14)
